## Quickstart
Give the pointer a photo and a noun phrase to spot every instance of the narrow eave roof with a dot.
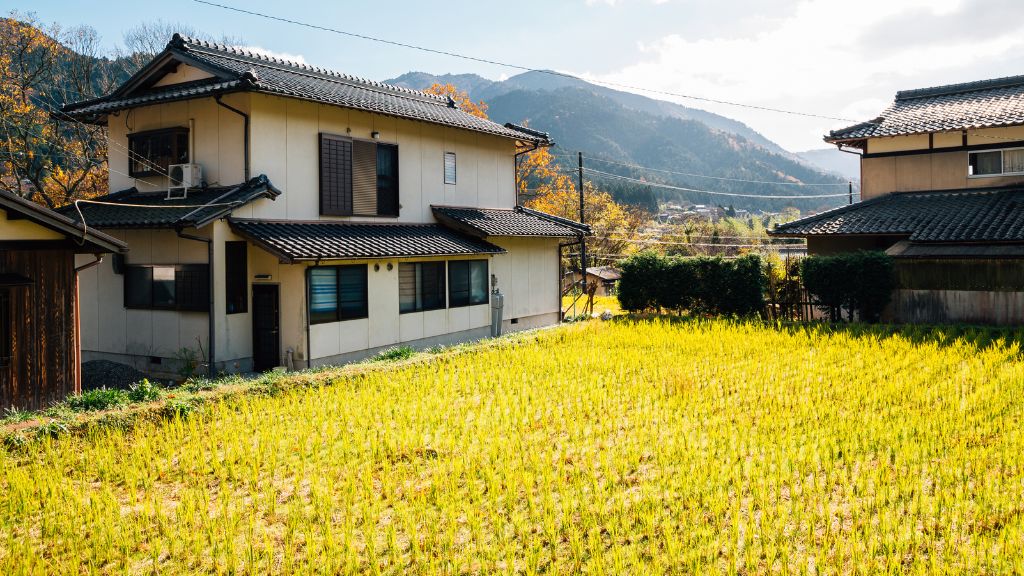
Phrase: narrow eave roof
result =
(238, 69)
(990, 215)
(134, 209)
(90, 240)
(329, 240)
(968, 106)
(518, 221)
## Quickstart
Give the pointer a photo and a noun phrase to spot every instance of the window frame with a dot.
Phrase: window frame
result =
(469, 283)
(1002, 162)
(184, 279)
(442, 287)
(155, 168)
(455, 168)
(236, 278)
(388, 197)
(339, 310)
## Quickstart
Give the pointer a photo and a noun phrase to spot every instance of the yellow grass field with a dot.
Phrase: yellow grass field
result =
(622, 447)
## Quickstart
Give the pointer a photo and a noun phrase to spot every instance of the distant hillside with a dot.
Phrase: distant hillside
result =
(833, 160)
(634, 129)
(480, 88)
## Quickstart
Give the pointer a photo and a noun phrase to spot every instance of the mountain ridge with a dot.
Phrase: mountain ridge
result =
(624, 128)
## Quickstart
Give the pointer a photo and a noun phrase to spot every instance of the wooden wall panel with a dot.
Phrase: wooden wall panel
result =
(43, 367)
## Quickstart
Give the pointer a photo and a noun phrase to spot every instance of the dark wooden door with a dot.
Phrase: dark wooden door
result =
(266, 325)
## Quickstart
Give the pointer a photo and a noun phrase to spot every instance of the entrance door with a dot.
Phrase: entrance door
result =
(266, 337)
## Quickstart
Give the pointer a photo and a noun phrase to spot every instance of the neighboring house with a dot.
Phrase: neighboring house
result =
(335, 217)
(942, 173)
(606, 279)
(39, 343)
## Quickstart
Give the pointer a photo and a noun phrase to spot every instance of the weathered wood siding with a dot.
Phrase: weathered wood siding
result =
(952, 290)
(946, 306)
(43, 367)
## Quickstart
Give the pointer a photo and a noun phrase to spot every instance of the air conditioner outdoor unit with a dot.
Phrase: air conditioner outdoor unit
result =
(181, 177)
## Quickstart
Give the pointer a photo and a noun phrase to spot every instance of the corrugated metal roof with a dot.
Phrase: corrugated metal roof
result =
(239, 69)
(328, 240)
(967, 106)
(517, 221)
(990, 215)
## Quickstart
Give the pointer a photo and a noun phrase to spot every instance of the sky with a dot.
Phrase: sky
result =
(840, 59)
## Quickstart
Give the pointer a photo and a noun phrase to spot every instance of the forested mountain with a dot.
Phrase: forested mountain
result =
(626, 128)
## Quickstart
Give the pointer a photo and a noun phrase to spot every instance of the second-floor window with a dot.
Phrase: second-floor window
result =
(151, 152)
(357, 177)
(995, 162)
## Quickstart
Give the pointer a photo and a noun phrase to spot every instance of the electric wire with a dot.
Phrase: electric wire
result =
(515, 66)
(713, 192)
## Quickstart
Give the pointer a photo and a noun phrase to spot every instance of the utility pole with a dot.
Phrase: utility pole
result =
(851, 191)
(583, 238)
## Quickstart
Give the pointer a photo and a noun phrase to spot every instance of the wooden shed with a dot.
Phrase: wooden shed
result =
(39, 344)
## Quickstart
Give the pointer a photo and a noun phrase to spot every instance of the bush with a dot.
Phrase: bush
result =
(143, 391)
(703, 285)
(860, 282)
(642, 275)
(99, 399)
(393, 354)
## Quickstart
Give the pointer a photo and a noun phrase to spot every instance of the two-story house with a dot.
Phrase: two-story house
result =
(942, 179)
(326, 217)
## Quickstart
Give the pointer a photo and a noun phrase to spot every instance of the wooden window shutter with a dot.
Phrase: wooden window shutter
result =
(335, 175)
(364, 178)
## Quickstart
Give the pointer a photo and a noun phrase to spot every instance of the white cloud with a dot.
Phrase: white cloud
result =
(830, 58)
(279, 55)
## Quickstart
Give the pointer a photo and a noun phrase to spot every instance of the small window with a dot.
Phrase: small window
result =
(337, 293)
(467, 283)
(985, 163)
(995, 162)
(449, 167)
(236, 277)
(185, 287)
(5, 328)
(420, 286)
(153, 151)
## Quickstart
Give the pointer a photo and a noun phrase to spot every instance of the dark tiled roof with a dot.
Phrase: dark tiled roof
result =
(972, 105)
(516, 221)
(134, 209)
(89, 240)
(238, 69)
(326, 240)
(992, 215)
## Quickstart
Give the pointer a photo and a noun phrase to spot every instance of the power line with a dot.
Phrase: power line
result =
(712, 192)
(638, 167)
(81, 157)
(516, 66)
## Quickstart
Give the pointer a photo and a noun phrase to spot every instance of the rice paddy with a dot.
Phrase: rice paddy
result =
(623, 447)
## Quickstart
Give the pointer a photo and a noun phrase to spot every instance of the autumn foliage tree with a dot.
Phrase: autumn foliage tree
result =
(548, 187)
(460, 97)
(44, 156)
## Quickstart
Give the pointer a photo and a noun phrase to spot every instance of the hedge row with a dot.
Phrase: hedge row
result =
(700, 285)
(859, 282)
